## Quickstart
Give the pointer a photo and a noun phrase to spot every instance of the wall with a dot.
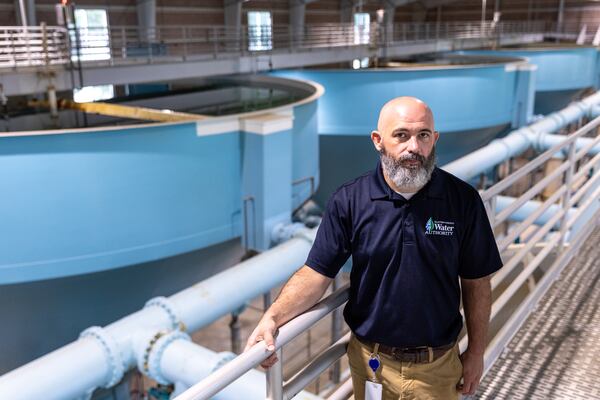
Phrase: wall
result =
(210, 12)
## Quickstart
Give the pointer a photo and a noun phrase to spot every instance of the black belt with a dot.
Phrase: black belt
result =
(418, 355)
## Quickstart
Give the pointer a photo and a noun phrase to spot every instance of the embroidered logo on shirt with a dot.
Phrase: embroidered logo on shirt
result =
(443, 228)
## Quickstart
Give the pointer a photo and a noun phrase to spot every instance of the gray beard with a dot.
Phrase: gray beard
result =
(408, 179)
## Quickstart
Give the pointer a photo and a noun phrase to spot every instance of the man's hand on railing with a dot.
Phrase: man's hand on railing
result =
(266, 331)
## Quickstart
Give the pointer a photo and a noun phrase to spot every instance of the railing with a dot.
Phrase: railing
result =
(275, 387)
(131, 44)
(580, 188)
(531, 252)
(33, 46)
(411, 32)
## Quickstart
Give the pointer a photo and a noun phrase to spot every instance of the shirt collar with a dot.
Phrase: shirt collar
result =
(380, 189)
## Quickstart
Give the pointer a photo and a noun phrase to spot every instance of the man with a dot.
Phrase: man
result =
(413, 231)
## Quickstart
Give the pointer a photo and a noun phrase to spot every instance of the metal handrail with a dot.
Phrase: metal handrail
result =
(279, 390)
(489, 194)
(211, 385)
(33, 46)
(556, 243)
(128, 44)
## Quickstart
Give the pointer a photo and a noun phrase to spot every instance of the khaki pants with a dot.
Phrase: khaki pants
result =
(406, 380)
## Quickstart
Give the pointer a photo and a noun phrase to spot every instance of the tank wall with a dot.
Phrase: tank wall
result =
(83, 202)
(352, 99)
(557, 69)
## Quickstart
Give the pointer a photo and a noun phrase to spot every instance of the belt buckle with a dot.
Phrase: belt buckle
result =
(423, 350)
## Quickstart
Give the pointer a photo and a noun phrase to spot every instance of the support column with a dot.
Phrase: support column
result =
(31, 16)
(233, 24)
(347, 11)
(146, 17)
(266, 177)
(560, 17)
(525, 95)
(297, 17)
(388, 22)
(20, 13)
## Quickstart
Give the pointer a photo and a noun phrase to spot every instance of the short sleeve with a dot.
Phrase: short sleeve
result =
(331, 247)
(479, 255)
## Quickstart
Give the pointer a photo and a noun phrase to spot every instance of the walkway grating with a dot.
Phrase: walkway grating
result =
(556, 353)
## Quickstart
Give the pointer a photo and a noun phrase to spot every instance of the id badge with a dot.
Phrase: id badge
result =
(373, 390)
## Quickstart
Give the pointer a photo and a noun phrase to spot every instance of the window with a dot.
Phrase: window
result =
(93, 93)
(259, 31)
(92, 25)
(362, 28)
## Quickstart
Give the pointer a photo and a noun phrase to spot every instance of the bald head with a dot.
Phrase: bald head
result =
(405, 138)
(404, 110)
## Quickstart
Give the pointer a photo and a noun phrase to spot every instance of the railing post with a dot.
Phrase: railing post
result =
(109, 34)
(275, 379)
(13, 48)
(184, 37)
(45, 44)
(336, 330)
(567, 196)
(214, 39)
(490, 207)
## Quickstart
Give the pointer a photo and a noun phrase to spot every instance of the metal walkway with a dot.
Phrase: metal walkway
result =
(556, 354)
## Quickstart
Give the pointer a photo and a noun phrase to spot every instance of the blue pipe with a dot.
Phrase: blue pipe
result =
(500, 150)
(528, 208)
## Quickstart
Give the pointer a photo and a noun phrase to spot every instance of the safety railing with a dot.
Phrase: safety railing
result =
(548, 246)
(414, 32)
(184, 42)
(28, 46)
(33, 46)
(276, 388)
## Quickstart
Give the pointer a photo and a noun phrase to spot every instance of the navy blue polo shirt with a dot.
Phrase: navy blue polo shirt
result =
(407, 256)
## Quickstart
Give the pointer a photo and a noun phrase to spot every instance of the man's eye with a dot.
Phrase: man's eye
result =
(425, 135)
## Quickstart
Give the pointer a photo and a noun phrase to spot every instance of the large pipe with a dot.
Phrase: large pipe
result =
(102, 355)
(529, 208)
(545, 141)
(500, 150)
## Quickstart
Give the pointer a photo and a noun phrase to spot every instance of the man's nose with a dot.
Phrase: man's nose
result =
(413, 144)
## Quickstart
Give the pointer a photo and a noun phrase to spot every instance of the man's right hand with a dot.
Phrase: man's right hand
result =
(265, 331)
(300, 293)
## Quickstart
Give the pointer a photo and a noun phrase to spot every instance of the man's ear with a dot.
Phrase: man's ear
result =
(436, 136)
(376, 138)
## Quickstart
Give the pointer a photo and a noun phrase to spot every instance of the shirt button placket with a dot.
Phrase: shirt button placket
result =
(409, 226)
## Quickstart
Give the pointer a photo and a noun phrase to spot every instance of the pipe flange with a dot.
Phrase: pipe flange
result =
(531, 135)
(150, 362)
(224, 358)
(166, 305)
(111, 349)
